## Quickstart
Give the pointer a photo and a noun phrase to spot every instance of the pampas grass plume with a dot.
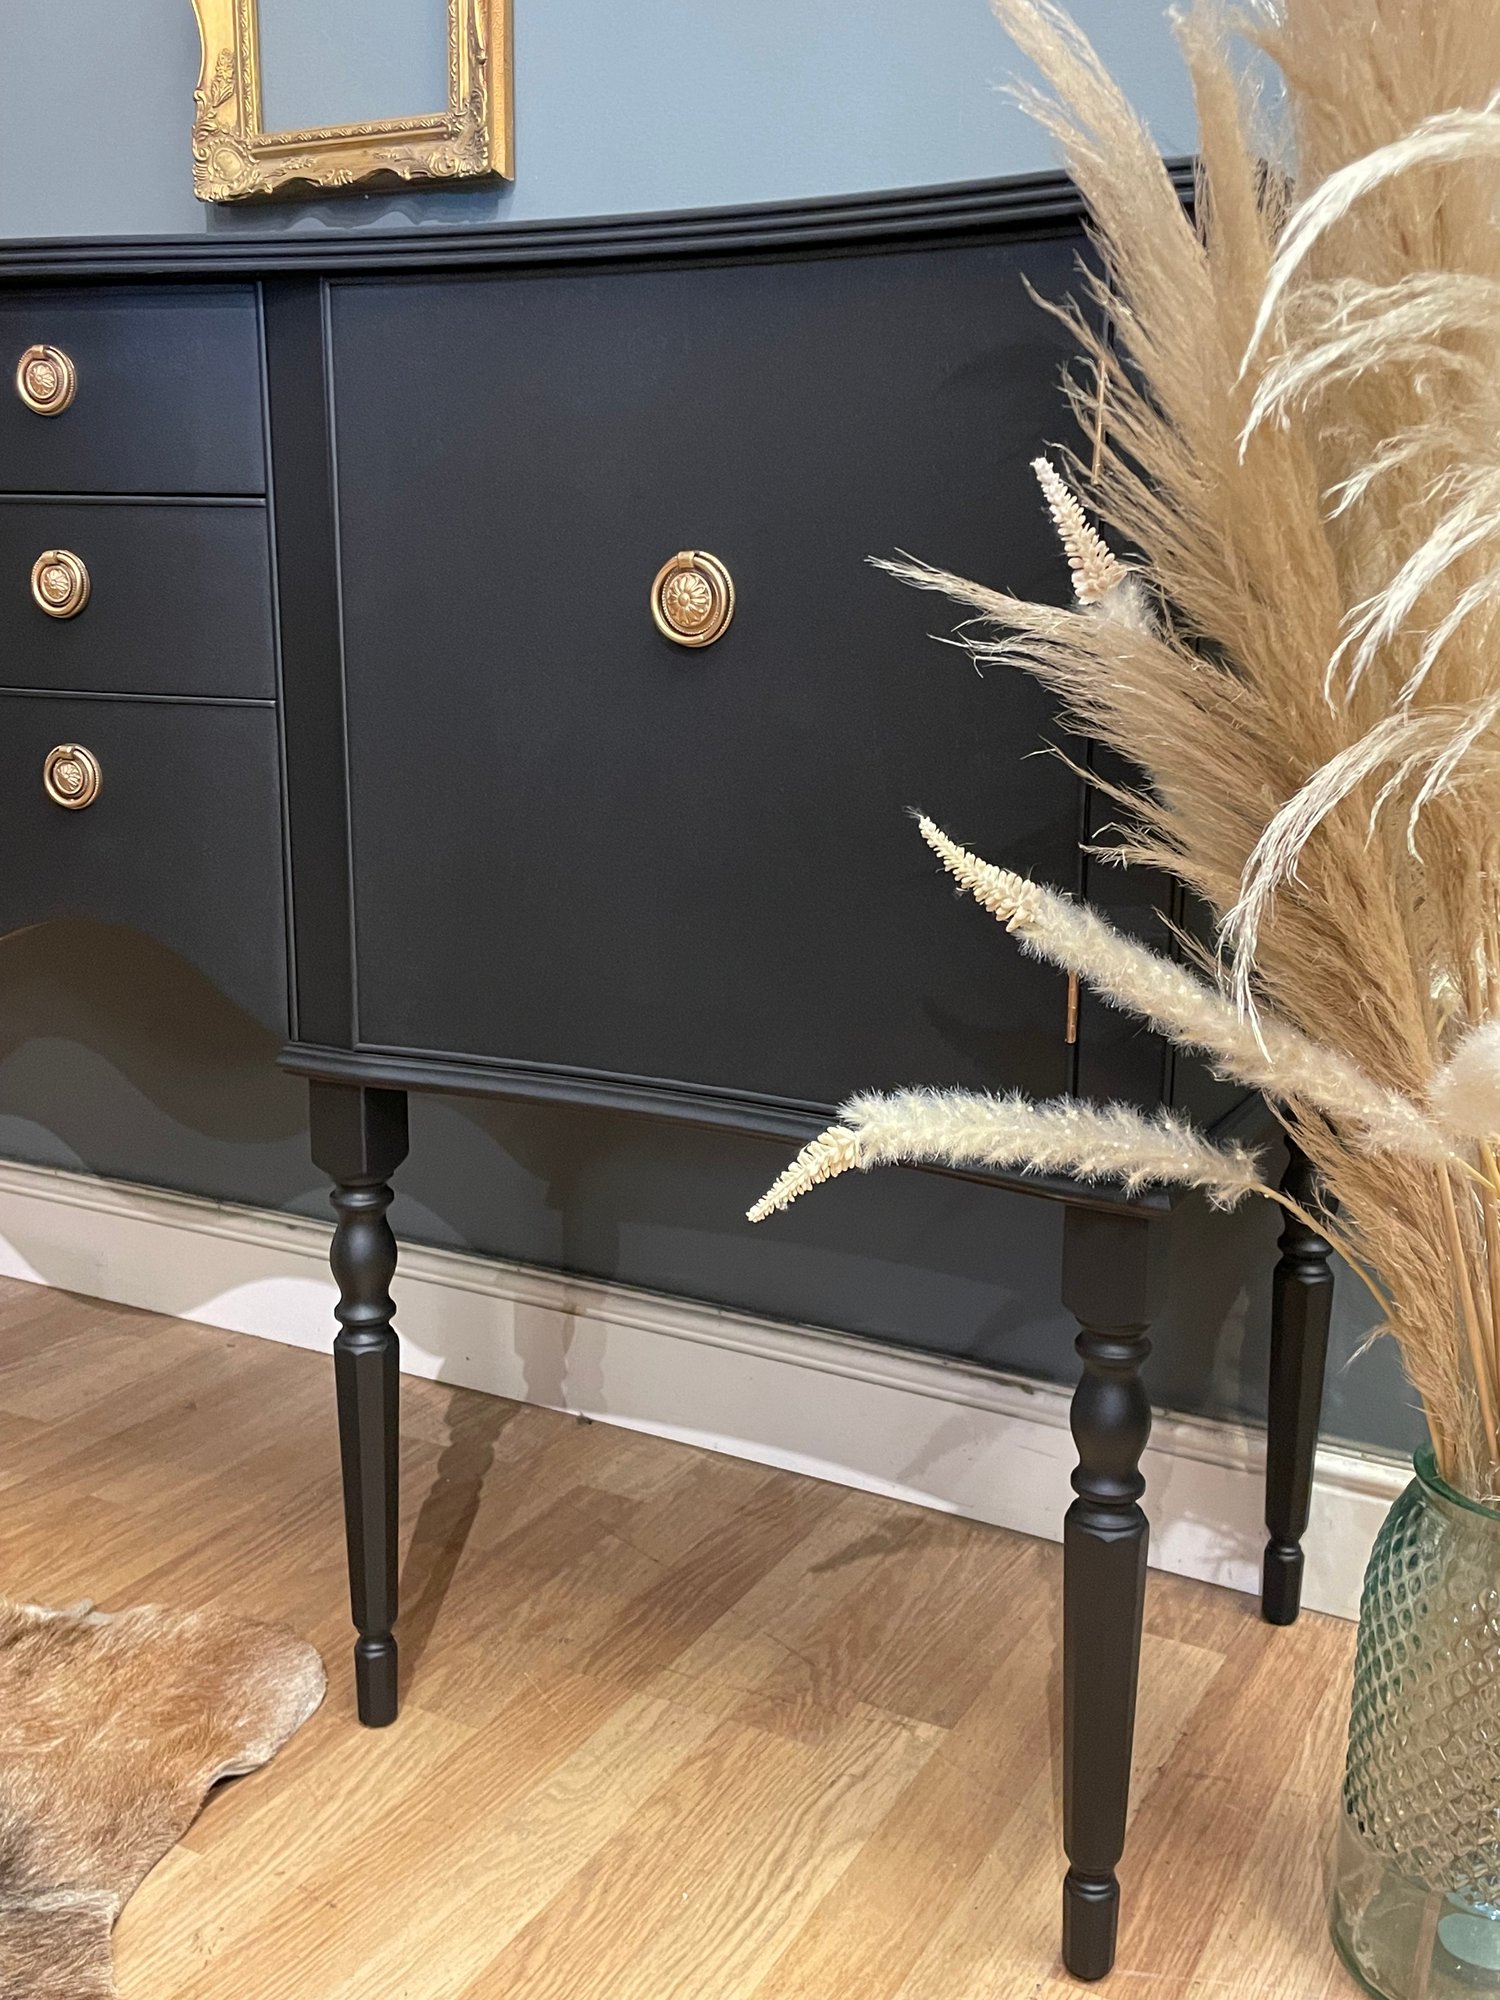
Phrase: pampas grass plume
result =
(1466, 1091)
(1269, 1056)
(959, 1128)
(1296, 433)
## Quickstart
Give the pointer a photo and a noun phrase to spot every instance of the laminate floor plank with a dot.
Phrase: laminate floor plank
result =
(675, 1726)
(1003, 1930)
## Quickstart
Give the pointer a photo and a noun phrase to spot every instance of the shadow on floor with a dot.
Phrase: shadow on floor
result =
(473, 1424)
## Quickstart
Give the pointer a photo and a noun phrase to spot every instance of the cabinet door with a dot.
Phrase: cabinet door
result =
(579, 844)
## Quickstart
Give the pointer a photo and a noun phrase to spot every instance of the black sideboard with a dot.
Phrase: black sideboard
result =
(329, 661)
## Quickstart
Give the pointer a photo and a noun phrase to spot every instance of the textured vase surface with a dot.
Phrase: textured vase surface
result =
(1416, 1878)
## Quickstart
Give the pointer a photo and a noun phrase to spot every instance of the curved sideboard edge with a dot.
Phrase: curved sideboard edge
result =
(736, 1112)
(1018, 205)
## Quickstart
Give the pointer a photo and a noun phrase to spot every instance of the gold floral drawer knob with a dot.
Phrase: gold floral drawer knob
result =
(46, 380)
(71, 776)
(60, 583)
(692, 599)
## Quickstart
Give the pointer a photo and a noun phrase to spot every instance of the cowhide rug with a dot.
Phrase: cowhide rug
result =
(114, 1727)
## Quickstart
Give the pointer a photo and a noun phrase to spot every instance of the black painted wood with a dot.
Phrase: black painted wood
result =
(359, 1139)
(714, 845)
(1112, 1283)
(724, 1111)
(168, 394)
(183, 842)
(1301, 1307)
(580, 864)
(1020, 205)
(179, 599)
(1119, 1058)
(309, 588)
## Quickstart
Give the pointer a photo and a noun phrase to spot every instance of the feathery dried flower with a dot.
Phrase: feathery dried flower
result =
(1465, 1092)
(1102, 584)
(961, 1128)
(1270, 1056)
(1447, 137)
(1301, 447)
(1302, 444)
(1096, 569)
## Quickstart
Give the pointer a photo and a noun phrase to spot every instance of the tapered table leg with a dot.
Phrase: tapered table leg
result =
(1112, 1274)
(359, 1140)
(1301, 1307)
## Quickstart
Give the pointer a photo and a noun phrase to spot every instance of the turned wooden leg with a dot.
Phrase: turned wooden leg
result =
(359, 1140)
(1301, 1305)
(1112, 1275)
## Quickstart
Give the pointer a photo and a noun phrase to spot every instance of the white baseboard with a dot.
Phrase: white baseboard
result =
(942, 1434)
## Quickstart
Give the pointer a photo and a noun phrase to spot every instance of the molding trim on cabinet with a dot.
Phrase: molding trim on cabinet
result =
(1043, 204)
(942, 1434)
(678, 1103)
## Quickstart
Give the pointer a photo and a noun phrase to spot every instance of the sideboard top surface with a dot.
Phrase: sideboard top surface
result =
(1020, 205)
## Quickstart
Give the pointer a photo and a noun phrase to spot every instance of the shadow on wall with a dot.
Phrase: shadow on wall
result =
(1212, 1343)
(118, 1059)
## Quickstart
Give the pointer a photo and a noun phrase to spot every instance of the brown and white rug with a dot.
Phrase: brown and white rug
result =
(114, 1727)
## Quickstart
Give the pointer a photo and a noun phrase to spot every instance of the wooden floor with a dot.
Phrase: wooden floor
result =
(676, 1727)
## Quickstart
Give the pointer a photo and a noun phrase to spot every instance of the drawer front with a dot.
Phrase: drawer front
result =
(577, 843)
(178, 599)
(166, 395)
(183, 841)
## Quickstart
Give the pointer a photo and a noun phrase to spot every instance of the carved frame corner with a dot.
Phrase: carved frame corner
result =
(235, 160)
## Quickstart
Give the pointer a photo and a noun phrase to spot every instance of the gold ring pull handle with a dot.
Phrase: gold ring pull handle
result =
(46, 380)
(692, 599)
(71, 776)
(60, 583)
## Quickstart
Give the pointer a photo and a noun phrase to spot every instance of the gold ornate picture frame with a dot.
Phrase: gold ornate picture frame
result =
(234, 160)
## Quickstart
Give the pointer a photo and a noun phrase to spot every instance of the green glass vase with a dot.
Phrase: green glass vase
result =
(1416, 1873)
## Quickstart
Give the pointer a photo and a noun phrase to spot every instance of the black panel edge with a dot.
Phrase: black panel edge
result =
(680, 1104)
(1045, 203)
(305, 556)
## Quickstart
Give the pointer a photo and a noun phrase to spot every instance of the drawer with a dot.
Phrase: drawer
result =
(580, 845)
(167, 392)
(178, 598)
(182, 843)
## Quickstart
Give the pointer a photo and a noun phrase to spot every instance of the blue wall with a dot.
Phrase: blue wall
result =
(652, 104)
(133, 1068)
